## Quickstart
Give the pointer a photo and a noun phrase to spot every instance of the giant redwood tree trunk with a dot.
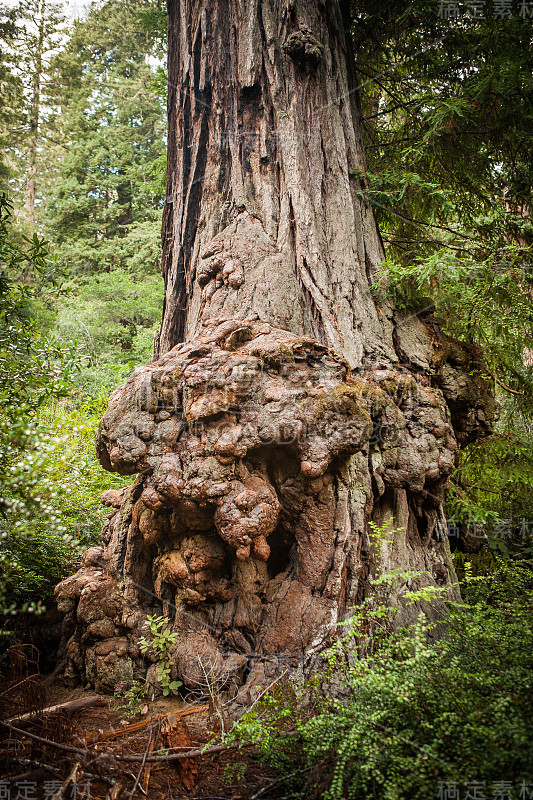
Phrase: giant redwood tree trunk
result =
(287, 408)
(264, 145)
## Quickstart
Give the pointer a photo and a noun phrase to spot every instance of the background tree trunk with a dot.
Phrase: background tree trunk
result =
(35, 113)
(287, 408)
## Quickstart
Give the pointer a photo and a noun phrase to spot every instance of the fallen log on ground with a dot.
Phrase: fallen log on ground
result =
(71, 706)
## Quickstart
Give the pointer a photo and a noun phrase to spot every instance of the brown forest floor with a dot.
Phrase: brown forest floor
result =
(102, 740)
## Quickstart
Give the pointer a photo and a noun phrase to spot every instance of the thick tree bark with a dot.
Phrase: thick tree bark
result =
(287, 409)
(264, 146)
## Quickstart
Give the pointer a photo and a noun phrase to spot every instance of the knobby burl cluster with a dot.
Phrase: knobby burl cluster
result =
(240, 441)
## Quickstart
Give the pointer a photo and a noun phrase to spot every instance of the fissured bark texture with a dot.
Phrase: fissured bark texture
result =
(263, 212)
(286, 408)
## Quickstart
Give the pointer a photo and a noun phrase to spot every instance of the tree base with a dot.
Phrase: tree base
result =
(261, 460)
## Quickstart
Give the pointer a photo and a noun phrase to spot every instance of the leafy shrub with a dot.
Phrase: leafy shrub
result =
(113, 317)
(160, 646)
(33, 370)
(50, 480)
(411, 714)
(53, 505)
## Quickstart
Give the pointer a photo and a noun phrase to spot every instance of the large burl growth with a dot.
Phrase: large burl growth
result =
(288, 407)
(260, 460)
